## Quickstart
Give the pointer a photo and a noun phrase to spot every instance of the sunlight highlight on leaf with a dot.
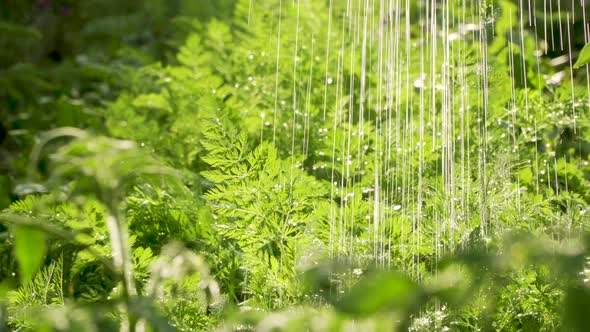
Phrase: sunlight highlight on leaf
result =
(29, 247)
(584, 57)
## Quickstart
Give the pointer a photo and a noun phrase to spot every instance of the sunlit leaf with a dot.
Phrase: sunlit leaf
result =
(584, 57)
(29, 247)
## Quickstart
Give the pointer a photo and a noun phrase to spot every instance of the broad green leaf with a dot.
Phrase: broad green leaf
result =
(382, 291)
(584, 57)
(29, 247)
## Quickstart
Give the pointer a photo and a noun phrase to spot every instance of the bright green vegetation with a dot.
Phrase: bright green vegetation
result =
(198, 165)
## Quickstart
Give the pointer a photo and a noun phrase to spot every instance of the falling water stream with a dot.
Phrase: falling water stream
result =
(410, 94)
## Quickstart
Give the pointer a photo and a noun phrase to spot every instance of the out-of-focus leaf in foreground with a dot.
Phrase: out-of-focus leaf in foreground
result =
(29, 246)
(380, 292)
(584, 57)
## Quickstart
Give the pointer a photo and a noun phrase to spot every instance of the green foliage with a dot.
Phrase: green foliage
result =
(209, 172)
(45, 290)
(385, 291)
(264, 204)
(29, 246)
(584, 57)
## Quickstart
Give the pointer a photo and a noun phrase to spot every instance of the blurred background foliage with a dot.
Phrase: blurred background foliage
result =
(60, 60)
